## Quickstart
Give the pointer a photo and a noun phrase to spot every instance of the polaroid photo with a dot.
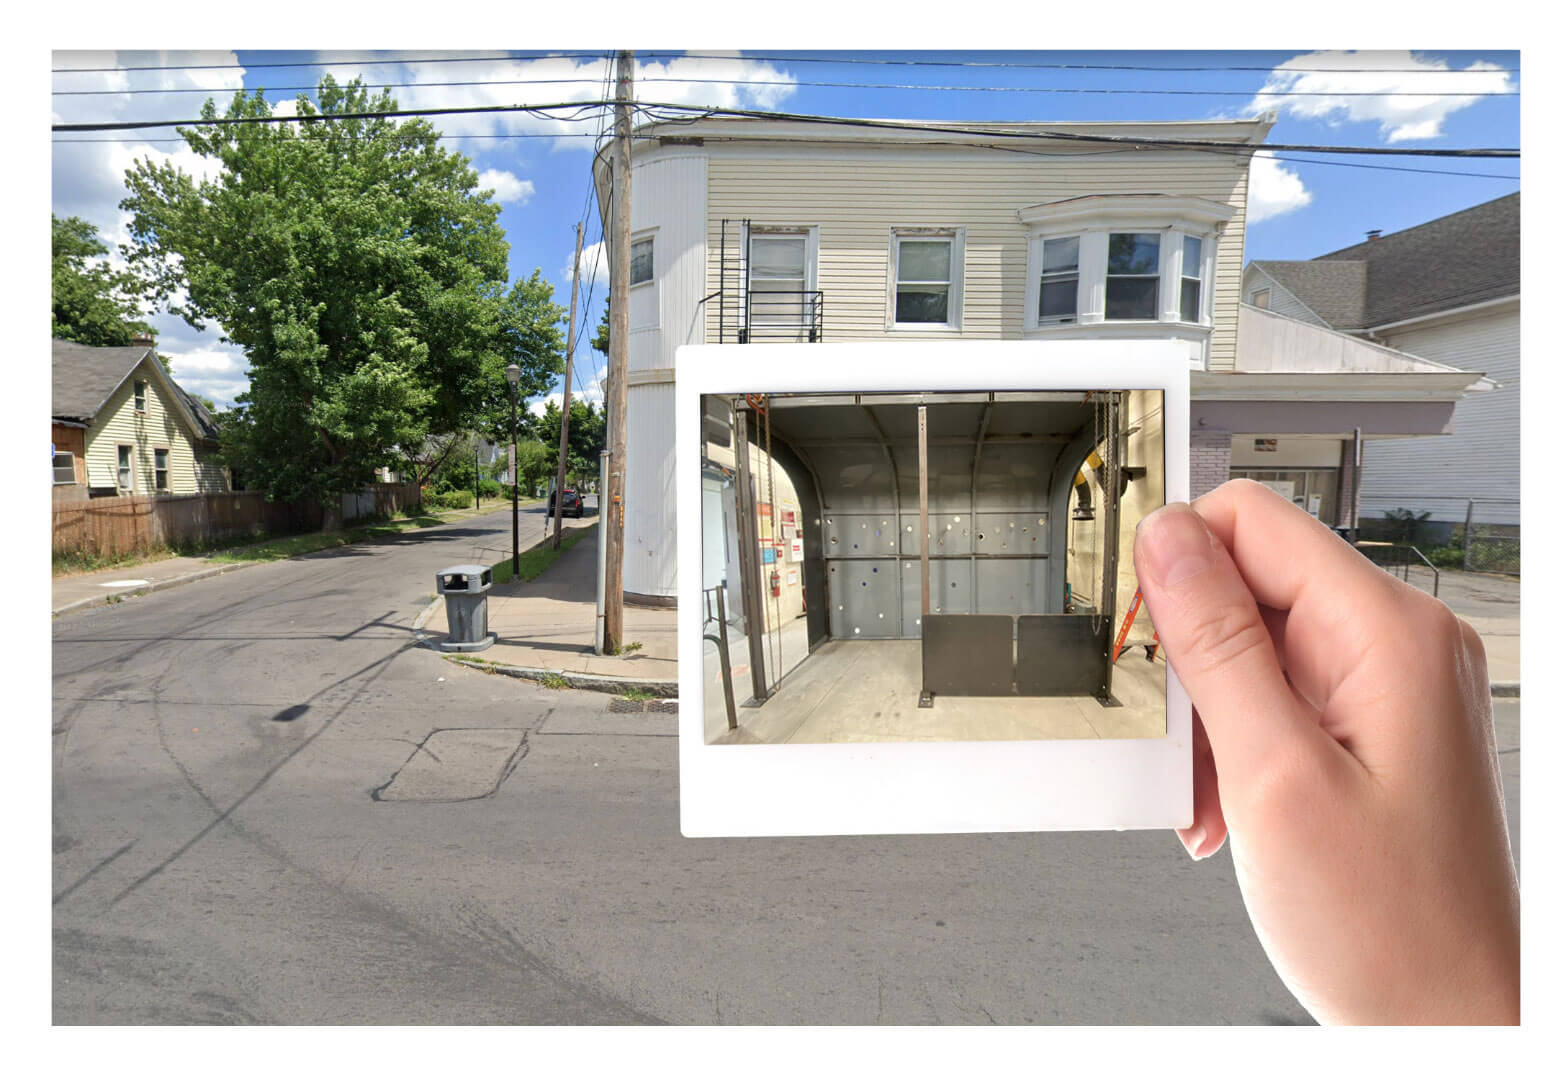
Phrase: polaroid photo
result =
(907, 601)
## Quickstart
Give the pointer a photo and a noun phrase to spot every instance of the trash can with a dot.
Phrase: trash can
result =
(466, 588)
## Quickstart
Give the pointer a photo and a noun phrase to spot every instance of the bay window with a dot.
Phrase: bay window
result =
(1131, 289)
(1061, 279)
(1190, 276)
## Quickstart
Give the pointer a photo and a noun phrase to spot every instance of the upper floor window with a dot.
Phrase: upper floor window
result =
(1061, 279)
(927, 278)
(641, 261)
(1131, 288)
(141, 396)
(1261, 299)
(780, 275)
(1191, 273)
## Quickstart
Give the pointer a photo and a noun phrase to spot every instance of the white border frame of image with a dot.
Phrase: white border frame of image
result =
(873, 788)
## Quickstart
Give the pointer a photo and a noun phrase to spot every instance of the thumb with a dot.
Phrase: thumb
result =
(1208, 620)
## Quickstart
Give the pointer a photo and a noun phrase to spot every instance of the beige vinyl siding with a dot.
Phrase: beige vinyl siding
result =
(857, 199)
(159, 427)
(1482, 456)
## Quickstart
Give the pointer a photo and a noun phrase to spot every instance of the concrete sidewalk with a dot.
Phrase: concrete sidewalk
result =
(546, 627)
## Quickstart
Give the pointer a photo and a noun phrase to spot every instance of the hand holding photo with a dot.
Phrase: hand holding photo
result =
(927, 580)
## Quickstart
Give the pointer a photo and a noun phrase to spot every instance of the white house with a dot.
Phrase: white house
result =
(748, 230)
(1448, 291)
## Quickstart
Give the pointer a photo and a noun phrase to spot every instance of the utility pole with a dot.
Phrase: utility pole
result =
(613, 508)
(565, 404)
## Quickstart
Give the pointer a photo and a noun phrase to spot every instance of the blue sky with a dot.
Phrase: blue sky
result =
(1300, 206)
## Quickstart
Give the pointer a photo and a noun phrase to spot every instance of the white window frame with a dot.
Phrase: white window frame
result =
(957, 235)
(125, 467)
(1157, 276)
(1093, 219)
(648, 237)
(162, 487)
(138, 393)
(811, 235)
(1035, 293)
(70, 464)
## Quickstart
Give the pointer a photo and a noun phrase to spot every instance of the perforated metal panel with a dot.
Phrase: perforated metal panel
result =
(864, 600)
(860, 534)
(1011, 587)
(950, 591)
(1009, 534)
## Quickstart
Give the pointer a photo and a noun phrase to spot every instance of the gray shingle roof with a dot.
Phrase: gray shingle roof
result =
(1460, 259)
(1334, 289)
(85, 377)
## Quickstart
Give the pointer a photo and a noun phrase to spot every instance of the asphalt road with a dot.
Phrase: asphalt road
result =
(226, 850)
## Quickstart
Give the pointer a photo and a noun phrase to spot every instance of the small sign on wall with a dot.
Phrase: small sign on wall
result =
(793, 577)
(795, 550)
(768, 556)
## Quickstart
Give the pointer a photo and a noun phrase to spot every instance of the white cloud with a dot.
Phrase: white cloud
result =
(1274, 189)
(594, 265)
(1392, 99)
(508, 187)
(593, 394)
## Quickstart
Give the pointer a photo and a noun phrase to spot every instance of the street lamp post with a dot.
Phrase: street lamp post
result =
(513, 375)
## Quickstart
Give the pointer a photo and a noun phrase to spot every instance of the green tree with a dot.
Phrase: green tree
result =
(588, 434)
(361, 269)
(93, 304)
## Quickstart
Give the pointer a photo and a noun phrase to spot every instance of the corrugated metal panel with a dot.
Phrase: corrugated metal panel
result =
(1482, 456)
(650, 550)
(856, 202)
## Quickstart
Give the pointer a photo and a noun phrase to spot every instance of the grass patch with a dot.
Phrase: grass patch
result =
(536, 561)
(553, 681)
(626, 649)
(640, 694)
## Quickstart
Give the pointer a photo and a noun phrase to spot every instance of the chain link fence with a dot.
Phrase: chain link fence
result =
(1477, 534)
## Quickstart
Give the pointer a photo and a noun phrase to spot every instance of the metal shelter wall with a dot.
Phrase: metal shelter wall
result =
(1000, 472)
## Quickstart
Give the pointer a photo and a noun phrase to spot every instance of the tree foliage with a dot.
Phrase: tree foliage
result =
(588, 436)
(93, 303)
(362, 271)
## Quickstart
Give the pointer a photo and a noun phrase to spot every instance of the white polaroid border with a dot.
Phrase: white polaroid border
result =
(874, 788)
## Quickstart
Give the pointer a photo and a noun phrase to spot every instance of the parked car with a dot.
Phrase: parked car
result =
(572, 506)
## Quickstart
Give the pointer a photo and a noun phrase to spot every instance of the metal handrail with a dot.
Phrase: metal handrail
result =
(1428, 563)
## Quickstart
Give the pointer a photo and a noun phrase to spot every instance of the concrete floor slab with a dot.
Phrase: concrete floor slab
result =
(867, 690)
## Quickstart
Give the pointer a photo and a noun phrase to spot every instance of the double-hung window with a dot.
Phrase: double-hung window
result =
(1190, 276)
(160, 469)
(64, 469)
(127, 478)
(927, 290)
(641, 261)
(1132, 285)
(1061, 277)
(141, 396)
(780, 278)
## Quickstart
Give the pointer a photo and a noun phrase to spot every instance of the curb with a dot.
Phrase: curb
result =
(1507, 690)
(597, 683)
(135, 592)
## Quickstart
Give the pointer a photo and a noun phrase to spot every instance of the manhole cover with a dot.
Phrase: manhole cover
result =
(455, 766)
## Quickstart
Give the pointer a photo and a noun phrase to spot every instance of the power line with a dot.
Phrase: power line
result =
(880, 61)
(681, 112)
(325, 63)
(856, 86)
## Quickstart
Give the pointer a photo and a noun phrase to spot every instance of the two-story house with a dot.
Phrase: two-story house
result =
(1448, 291)
(753, 230)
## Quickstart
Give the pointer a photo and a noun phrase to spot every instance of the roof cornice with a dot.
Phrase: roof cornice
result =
(1186, 212)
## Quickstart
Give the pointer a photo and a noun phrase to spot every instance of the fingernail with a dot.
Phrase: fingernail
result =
(1193, 845)
(1176, 544)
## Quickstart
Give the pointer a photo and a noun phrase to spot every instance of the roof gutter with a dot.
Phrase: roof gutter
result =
(1442, 313)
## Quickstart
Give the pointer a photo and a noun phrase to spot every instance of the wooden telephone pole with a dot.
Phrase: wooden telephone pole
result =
(613, 503)
(565, 403)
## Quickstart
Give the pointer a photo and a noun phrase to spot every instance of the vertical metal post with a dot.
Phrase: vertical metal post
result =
(749, 556)
(722, 656)
(477, 480)
(1467, 538)
(1112, 473)
(516, 529)
(925, 697)
(1358, 476)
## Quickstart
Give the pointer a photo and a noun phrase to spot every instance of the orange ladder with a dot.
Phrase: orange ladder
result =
(1124, 630)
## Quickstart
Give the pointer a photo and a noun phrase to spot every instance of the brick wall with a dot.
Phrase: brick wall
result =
(1209, 455)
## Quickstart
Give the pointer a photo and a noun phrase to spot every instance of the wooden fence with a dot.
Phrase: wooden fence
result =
(107, 526)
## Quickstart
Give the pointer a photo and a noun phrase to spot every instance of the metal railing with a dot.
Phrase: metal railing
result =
(782, 316)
